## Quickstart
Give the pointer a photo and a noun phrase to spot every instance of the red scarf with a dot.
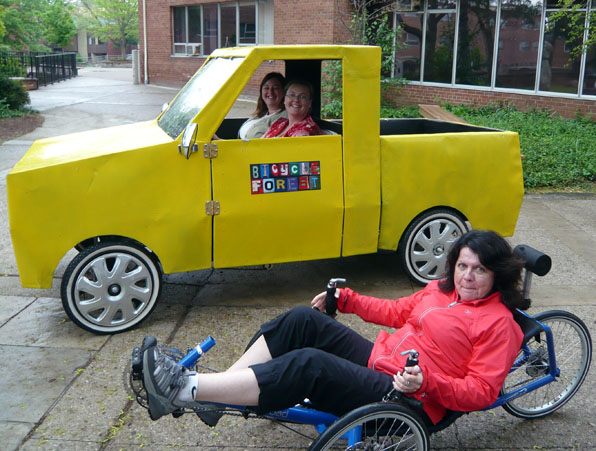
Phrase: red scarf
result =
(305, 127)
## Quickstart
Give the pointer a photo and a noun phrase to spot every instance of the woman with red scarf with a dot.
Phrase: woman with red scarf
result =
(298, 101)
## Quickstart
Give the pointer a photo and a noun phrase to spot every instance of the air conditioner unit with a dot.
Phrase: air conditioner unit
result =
(193, 49)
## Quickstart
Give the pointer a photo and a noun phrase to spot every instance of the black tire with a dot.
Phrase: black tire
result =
(573, 353)
(384, 426)
(111, 286)
(86, 243)
(424, 246)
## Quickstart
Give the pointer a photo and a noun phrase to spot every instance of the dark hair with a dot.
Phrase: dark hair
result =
(261, 106)
(495, 253)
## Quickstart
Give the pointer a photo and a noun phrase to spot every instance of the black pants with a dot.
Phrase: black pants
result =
(316, 357)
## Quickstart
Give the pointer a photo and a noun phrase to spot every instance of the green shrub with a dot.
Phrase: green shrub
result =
(12, 93)
(11, 67)
(4, 110)
(405, 112)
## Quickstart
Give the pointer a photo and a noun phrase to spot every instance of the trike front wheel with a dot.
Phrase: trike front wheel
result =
(375, 427)
(573, 354)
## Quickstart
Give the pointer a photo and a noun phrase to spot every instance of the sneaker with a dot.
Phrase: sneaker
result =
(163, 379)
(207, 412)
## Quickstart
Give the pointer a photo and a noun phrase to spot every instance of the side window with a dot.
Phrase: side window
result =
(263, 101)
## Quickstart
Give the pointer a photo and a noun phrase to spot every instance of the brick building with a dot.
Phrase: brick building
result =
(443, 57)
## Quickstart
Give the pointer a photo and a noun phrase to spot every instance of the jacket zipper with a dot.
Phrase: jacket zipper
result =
(422, 315)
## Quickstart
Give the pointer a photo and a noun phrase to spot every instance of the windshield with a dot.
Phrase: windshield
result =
(196, 94)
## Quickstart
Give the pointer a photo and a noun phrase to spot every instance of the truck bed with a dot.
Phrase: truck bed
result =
(426, 127)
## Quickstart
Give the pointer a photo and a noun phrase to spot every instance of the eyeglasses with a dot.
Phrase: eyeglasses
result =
(301, 97)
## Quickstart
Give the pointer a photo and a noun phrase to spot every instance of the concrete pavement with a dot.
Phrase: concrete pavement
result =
(63, 388)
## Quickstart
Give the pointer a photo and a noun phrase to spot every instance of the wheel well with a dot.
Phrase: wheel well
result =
(117, 239)
(428, 210)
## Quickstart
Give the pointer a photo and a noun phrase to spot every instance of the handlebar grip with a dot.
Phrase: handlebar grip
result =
(412, 358)
(207, 344)
(411, 362)
(330, 299)
(331, 302)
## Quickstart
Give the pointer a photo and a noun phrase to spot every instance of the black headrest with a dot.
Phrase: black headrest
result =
(536, 261)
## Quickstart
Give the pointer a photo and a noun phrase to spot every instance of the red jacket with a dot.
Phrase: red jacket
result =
(466, 348)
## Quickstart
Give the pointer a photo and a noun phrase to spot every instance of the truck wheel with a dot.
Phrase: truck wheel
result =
(424, 245)
(110, 287)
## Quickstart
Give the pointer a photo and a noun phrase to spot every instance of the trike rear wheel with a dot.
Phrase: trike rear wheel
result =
(383, 426)
(573, 353)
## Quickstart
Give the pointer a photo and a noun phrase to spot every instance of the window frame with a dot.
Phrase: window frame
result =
(197, 49)
(424, 10)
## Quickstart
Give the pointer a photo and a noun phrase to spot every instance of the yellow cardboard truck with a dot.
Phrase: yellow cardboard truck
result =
(162, 196)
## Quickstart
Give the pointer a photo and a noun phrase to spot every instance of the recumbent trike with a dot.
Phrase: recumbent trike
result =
(552, 364)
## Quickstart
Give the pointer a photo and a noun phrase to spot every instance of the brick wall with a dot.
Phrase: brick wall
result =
(295, 22)
(416, 94)
(304, 21)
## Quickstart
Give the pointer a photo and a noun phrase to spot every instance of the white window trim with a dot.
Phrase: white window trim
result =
(425, 11)
(201, 54)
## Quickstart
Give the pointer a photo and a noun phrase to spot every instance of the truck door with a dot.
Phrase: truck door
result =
(280, 200)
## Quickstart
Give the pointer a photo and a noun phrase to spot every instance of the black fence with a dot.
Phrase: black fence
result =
(46, 68)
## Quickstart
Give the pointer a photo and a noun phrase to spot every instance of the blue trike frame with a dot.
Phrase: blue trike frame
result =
(322, 420)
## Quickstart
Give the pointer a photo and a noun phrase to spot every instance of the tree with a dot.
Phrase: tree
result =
(368, 24)
(23, 27)
(574, 24)
(59, 24)
(35, 24)
(114, 20)
(3, 7)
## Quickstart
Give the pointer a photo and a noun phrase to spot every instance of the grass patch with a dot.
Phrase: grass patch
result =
(559, 154)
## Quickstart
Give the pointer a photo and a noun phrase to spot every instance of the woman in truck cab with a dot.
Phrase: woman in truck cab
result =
(270, 107)
(298, 101)
(462, 327)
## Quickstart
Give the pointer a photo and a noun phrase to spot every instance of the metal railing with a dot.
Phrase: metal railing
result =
(46, 68)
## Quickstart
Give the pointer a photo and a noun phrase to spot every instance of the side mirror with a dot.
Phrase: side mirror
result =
(188, 144)
(164, 106)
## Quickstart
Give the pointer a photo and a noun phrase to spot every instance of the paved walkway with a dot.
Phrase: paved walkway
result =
(63, 388)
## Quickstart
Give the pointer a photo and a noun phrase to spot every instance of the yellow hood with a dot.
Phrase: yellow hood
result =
(90, 144)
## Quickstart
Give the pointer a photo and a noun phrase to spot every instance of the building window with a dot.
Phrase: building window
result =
(438, 51)
(475, 42)
(198, 30)
(502, 44)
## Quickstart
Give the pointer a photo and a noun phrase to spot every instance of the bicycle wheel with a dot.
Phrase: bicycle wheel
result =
(384, 426)
(573, 352)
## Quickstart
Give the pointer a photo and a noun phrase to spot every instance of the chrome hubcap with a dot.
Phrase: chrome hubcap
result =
(430, 245)
(113, 288)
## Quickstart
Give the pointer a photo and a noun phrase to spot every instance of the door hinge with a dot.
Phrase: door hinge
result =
(212, 208)
(210, 150)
